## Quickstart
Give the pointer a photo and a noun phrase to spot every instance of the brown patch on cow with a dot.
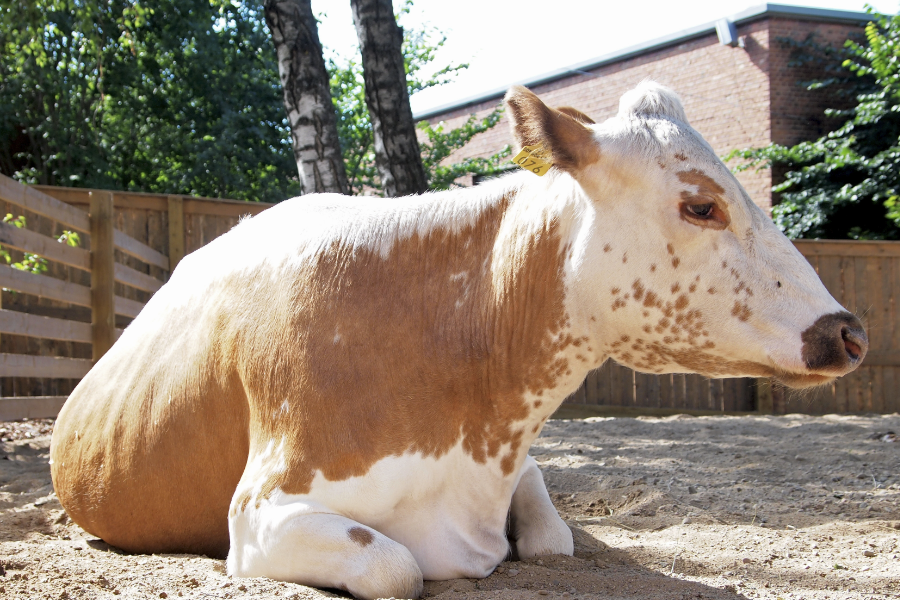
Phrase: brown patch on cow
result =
(675, 262)
(648, 329)
(650, 299)
(538, 403)
(692, 288)
(680, 156)
(361, 536)
(614, 291)
(741, 310)
(618, 303)
(661, 164)
(681, 302)
(675, 288)
(625, 258)
(653, 267)
(711, 290)
(607, 248)
(670, 249)
(638, 289)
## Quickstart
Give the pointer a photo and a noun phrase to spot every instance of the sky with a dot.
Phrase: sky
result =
(507, 42)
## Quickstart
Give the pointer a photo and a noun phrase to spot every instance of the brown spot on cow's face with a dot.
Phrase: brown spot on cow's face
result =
(638, 289)
(653, 268)
(675, 287)
(675, 262)
(741, 310)
(607, 248)
(361, 536)
(670, 249)
(680, 156)
(711, 290)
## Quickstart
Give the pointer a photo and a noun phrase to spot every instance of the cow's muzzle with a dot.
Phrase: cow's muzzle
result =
(835, 344)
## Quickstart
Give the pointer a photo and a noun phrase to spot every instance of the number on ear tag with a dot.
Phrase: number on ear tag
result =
(530, 160)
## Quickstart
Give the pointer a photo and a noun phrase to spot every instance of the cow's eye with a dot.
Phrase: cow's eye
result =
(703, 211)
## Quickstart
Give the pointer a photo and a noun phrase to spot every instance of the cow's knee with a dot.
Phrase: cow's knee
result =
(320, 550)
(536, 525)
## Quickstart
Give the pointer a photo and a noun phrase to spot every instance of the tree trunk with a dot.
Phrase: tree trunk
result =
(307, 96)
(397, 154)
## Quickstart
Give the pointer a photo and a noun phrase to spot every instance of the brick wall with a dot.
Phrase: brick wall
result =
(735, 97)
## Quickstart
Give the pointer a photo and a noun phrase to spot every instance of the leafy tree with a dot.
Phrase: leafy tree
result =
(179, 96)
(846, 184)
(173, 96)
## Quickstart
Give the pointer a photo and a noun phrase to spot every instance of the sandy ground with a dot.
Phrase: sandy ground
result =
(662, 508)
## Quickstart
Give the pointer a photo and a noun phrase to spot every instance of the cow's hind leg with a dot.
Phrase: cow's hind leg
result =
(536, 526)
(321, 550)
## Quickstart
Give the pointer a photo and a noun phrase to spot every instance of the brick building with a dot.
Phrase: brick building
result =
(733, 76)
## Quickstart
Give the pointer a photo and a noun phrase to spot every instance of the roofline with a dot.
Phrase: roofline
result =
(749, 15)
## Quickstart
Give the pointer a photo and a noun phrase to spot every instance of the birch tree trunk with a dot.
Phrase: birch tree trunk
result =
(307, 96)
(397, 156)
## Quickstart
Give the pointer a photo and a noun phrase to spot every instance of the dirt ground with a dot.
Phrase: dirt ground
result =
(662, 508)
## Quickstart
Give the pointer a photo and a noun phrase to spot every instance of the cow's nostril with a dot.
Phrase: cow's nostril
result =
(852, 343)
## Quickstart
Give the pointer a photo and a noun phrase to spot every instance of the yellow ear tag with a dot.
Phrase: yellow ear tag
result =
(530, 160)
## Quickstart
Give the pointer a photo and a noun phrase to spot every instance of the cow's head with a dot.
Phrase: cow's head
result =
(675, 269)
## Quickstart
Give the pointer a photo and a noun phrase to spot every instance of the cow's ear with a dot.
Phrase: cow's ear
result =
(567, 142)
(576, 114)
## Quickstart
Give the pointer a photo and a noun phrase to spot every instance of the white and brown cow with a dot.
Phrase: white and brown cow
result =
(342, 391)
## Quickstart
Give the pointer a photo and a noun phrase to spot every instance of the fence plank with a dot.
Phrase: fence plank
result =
(36, 201)
(847, 248)
(44, 287)
(103, 311)
(139, 250)
(29, 241)
(19, 323)
(134, 278)
(30, 407)
(50, 367)
(176, 230)
(127, 308)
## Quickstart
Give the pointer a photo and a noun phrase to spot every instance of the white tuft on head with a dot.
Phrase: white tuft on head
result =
(650, 99)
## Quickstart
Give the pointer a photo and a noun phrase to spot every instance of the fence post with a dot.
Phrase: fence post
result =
(103, 310)
(764, 401)
(176, 231)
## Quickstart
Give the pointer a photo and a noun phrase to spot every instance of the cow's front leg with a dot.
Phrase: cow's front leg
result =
(536, 526)
(320, 550)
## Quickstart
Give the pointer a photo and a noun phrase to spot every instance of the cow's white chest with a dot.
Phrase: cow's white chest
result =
(450, 512)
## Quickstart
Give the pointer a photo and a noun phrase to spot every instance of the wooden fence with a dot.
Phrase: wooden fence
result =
(862, 276)
(55, 325)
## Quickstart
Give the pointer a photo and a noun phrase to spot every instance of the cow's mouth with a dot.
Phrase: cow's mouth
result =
(803, 380)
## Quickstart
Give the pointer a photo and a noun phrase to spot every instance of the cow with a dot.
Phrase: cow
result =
(342, 392)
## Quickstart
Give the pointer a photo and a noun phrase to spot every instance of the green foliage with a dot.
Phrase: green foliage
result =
(442, 144)
(181, 97)
(846, 184)
(170, 96)
(420, 47)
(34, 263)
